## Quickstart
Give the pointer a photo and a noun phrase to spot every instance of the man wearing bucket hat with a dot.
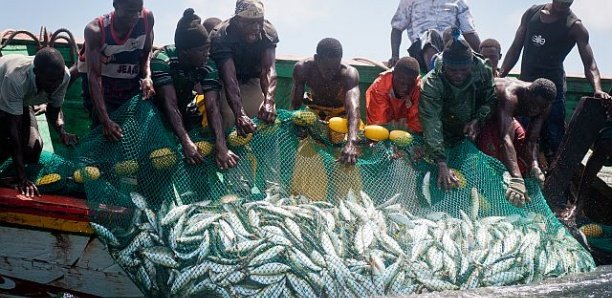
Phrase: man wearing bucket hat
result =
(457, 96)
(244, 48)
(548, 32)
(179, 69)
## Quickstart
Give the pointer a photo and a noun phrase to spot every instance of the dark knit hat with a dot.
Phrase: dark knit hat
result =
(457, 52)
(189, 31)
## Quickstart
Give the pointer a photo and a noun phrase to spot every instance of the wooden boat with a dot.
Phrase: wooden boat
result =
(46, 244)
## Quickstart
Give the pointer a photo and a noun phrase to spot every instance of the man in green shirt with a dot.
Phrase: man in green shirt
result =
(457, 96)
(179, 70)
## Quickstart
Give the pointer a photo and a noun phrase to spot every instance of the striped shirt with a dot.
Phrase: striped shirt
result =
(418, 16)
(166, 70)
(120, 59)
(18, 85)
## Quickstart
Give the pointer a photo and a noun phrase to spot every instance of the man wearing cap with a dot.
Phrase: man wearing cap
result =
(116, 62)
(244, 48)
(548, 32)
(424, 21)
(179, 69)
(457, 96)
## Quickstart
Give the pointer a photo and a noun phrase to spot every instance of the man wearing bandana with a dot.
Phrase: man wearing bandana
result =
(244, 49)
(548, 33)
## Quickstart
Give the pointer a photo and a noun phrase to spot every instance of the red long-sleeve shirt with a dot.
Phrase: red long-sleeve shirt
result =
(383, 108)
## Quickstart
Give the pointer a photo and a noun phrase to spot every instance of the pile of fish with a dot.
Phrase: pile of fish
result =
(290, 246)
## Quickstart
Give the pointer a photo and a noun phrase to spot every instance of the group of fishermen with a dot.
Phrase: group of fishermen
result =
(449, 89)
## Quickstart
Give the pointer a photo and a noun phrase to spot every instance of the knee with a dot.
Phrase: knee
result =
(33, 151)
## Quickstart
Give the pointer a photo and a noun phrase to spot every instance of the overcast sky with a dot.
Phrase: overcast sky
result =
(361, 25)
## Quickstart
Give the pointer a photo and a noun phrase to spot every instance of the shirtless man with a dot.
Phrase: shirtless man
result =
(334, 90)
(504, 138)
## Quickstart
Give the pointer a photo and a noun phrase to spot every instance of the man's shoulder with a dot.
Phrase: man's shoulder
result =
(211, 66)
(270, 32)
(220, 32)
(349, 71)
(304, 66)
(15, 62)
(383, 80)
(165, 54)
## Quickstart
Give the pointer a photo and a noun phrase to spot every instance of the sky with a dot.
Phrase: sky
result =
(362, 26)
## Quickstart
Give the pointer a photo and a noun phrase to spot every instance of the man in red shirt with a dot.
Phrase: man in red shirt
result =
(393, 99)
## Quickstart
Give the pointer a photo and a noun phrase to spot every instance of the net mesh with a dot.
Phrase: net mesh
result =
(289, 220)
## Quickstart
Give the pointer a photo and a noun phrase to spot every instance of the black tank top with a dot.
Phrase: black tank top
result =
(546, 46)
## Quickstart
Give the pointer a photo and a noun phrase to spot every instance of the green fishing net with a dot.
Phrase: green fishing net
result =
(289, 220)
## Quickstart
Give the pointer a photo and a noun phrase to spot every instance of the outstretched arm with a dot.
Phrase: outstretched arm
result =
(298, 86)
(167, 97)
(24, 185)
(145, 64)
(224, 158)
(55, 118)
(267, 80)
(93, 36)
(515, 49)
(351, 104)
(532, 148)
(591, 71)
(244, 124)
(396, 41)
(507, 134)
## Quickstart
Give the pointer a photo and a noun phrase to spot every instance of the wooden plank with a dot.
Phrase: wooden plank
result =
(46, 222)
(96, 256)
(14, 287)
(41, 246)
(84, 280)
(60, 213)
(63, 260)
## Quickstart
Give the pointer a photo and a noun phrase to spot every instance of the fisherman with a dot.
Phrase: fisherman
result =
(491, 50)
(244, 48)
(548, 32)
(27, 81)
(116, 64)
(393, 98)
(333, 90)
(457, 97)
(504, 138)
(177, 69)
(424, 27)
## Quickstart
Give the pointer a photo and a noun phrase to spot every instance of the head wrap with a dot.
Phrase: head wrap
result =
(250, 9)
(189, 31)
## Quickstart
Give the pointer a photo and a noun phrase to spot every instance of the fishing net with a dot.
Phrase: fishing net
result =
(290, 220)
